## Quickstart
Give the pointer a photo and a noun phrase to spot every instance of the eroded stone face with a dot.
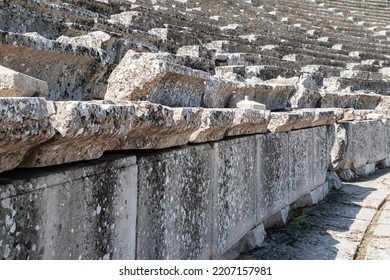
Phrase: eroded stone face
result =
(235, 195)
(92, 39)
(156, 78)
(84, 131)
(175, 204)
(78, 212)
(24, 124)
(69, 70)
(15, 84)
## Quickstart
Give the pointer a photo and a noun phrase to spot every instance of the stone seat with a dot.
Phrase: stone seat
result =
(250, 59)
(367, 85)
(24, 123)
(69, 70)
(355, 100)
(263, 72)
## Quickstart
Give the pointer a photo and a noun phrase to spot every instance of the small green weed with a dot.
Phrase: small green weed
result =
(297, 221)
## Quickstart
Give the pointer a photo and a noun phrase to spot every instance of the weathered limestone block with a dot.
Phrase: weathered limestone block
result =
(195, 51)
(215, 122)
(275, 94)
(248, 104)
(301, 118)
(70, 71)
(278, 219)
(175, 204)
(130, 18)
(15, 84)
(234, 196)
(359, 143)
(24, 124)
(312, 198)
(379, 141)
(327, 116)
(286, 121)
(156, 126)
(156, 78)
(300, 158)
(273, 183)
(307, 94)
(218, 92)
(83, 211)
(93, 39)
(249, 121)
(84, 131)
(252, 240)
(320, 155)
(345, 99)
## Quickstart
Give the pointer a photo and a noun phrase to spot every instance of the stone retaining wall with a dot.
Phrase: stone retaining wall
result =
(193, 202)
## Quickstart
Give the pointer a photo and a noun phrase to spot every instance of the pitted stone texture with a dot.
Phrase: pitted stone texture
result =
(307, 94)
(235, 196)
(156, 78)
(321, 155)
(84, 131)
(359, 143)
(78, 212)
(15, 84)
(302, 118)
(156, 126)
(272, 190)
(250, 241)
(218, 92)
(286, 121)
(92, 39)
(24, 124)
(346, 99)
(70, 71)
(175, 204)
(301, 161)
(215, 122)
(249, 121)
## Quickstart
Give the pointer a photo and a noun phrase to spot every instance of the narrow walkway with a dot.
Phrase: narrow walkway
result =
(351, 223)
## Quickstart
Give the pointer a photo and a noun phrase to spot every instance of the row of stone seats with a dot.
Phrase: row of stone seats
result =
(276, 59)
(49, 133)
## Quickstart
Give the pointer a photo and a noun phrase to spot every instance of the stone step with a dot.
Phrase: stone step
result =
(24, 124)
(15, 84)
(69, 70)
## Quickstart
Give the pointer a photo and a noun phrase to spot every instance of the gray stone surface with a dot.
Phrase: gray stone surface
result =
(273, 183)
(14, 84)
(234, 197)
(215, 122)
(248, 121)
(74, 212)
(156, 78)
(70, 71)
(24, 124)
(175, 204)
(92, 39)
(359, 146)
(300, 162)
